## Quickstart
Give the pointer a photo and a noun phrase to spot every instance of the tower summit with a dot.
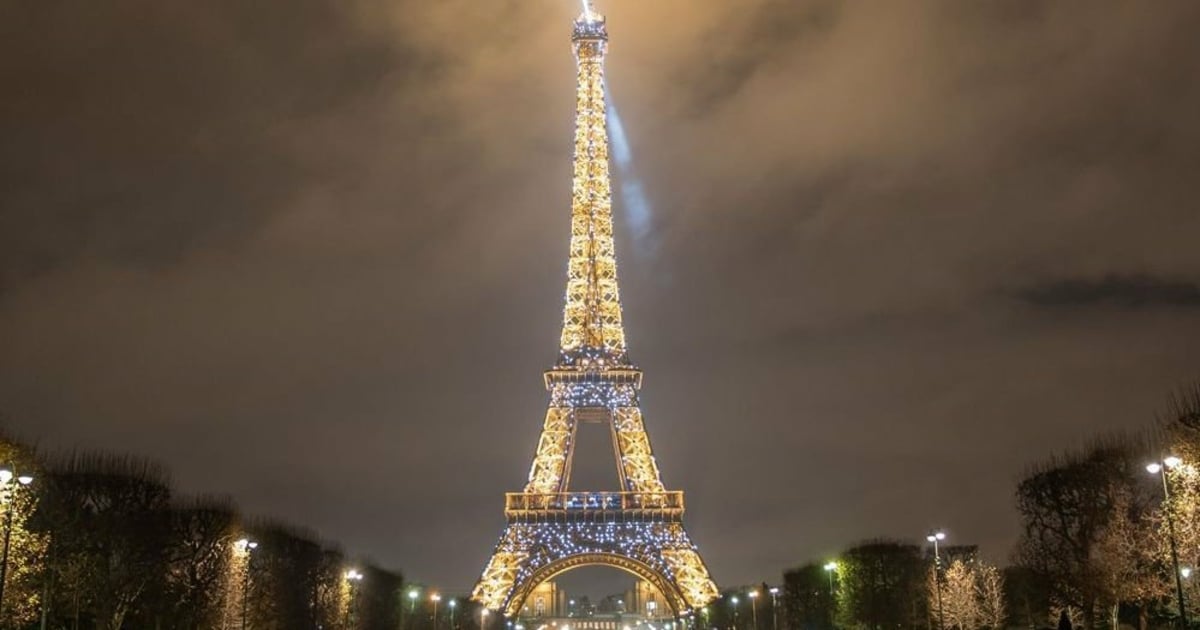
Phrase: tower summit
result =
(592, 328)
(552, 529)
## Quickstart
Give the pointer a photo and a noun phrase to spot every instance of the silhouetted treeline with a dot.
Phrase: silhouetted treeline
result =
(889, 584)
(1098, 526)
(101, 541)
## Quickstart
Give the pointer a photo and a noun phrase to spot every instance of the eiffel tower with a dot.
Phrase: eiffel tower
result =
(551, 529)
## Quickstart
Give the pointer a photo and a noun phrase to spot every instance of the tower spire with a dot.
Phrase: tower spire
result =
(592, 327)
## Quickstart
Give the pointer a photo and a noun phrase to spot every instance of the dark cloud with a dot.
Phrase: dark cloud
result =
(735, 49)
(1131, 291)
(312, 252)
(142, 130)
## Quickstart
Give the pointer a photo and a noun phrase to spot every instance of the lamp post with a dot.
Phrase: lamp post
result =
(246, 547)
(453, 606)
(753, 595)
(483, 613)
(830, 568)
(734, 600)
(353, 577)
(1160, 469)
(935, 538)
(413, 594)
(435, 598)
(7, 494)
(774, 591)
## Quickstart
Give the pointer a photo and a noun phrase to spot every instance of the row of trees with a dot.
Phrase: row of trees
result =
(1099, 525)
(889, 584)
(1110, 534)
(99, 540)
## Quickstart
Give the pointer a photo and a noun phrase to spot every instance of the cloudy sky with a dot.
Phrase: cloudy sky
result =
(311, 253)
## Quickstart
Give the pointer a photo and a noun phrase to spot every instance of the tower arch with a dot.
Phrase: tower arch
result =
(665, 585)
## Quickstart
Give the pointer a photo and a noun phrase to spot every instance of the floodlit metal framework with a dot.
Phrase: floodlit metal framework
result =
(551, 529)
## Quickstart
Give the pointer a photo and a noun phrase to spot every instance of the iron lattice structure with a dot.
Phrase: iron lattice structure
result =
(551, 529)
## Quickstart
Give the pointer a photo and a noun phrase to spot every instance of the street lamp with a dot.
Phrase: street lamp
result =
(7, 493)
(413, 594)
(754, 606)
(453, 606)
(734, 600)
(1160, 469)
(245, 547)
(831, 568)
(935, 538)
(353, 577)
(435, 598)
(483, 613)
(774, 591)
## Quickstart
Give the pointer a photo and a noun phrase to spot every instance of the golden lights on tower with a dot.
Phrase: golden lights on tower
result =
(550, 528)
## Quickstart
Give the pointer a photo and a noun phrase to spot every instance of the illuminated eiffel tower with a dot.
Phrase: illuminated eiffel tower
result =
(551, 529)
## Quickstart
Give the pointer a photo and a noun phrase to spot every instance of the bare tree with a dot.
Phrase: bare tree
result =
(199, 552)
(972, 595)
(108, 530)
(1066, 506)
(958, 596)
(989, 585)
(1132, 556)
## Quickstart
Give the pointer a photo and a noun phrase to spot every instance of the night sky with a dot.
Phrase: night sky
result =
(312, 253)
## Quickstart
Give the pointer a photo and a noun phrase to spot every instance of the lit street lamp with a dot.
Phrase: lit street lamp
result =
(7, 493)
(353, 577)
(483, 613)
(774, 590)
(453, 606)
(734, 600)
(435, 598)
(830, 568)
(413, 594)
(245, 547)
(935, 537)
(754, 606)
(1160, 469)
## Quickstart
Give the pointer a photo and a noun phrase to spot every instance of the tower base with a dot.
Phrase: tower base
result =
(530, 553)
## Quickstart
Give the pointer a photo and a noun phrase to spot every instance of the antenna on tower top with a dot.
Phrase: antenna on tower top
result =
(587, 9)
